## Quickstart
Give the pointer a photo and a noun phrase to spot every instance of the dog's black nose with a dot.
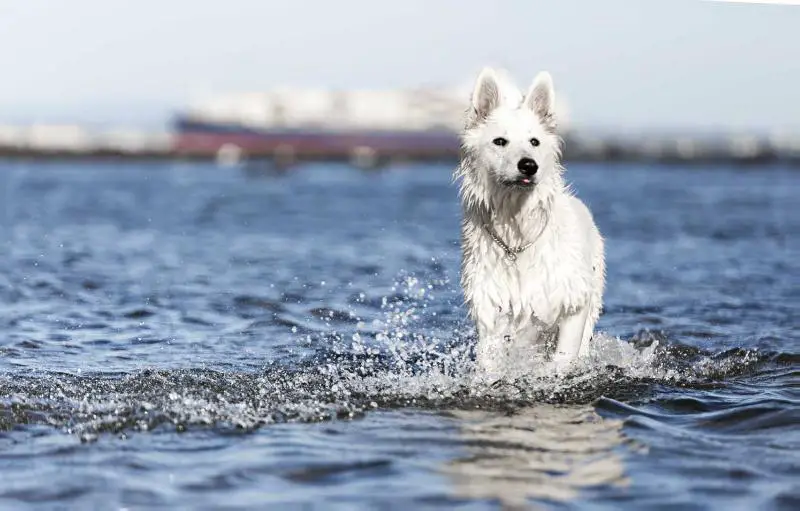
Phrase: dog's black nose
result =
(527, 166)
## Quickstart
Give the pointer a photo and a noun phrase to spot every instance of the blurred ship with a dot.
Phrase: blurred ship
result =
(361, 126)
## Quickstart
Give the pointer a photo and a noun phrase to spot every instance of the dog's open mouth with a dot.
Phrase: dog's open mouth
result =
(522, 182)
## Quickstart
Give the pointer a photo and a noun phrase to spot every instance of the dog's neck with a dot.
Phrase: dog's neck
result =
(516, 216)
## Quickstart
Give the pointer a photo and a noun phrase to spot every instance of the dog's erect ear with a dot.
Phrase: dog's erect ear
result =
(541, 99)
(486, 96)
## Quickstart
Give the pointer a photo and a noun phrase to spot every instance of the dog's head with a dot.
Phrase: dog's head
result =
(511, 137)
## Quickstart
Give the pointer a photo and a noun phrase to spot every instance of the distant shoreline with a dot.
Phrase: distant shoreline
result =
(645, 149)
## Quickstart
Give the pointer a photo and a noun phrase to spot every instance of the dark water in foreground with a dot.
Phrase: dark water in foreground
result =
(178, 336)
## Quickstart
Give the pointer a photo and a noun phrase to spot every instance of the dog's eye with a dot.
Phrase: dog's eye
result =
(534, 142)
(500, 141)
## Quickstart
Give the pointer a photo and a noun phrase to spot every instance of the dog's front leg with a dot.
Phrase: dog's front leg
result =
(491, 350)
(570, 336)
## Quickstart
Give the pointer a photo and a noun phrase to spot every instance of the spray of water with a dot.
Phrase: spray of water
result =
(406, 358)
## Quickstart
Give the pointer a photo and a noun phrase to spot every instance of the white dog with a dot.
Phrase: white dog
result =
(533, 264)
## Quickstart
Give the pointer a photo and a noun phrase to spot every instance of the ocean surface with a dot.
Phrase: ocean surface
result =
(182, 336)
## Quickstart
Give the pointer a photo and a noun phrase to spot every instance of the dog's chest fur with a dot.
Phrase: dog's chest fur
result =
(548, 279)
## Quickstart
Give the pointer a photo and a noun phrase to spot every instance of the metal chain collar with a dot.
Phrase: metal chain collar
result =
(511, 252)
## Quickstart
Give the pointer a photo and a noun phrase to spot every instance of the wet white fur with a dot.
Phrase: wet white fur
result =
(554, 291)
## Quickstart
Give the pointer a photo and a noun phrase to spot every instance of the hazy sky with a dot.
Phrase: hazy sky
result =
(633, 63)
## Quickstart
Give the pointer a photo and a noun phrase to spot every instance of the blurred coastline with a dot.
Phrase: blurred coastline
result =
(366, 128)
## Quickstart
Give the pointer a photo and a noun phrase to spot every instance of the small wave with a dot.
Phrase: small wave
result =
(335, 385)
(404, 360)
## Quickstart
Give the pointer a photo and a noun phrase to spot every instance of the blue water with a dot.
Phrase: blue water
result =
(183, 336)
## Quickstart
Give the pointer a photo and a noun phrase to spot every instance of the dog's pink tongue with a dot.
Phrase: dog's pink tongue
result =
(526, 180)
